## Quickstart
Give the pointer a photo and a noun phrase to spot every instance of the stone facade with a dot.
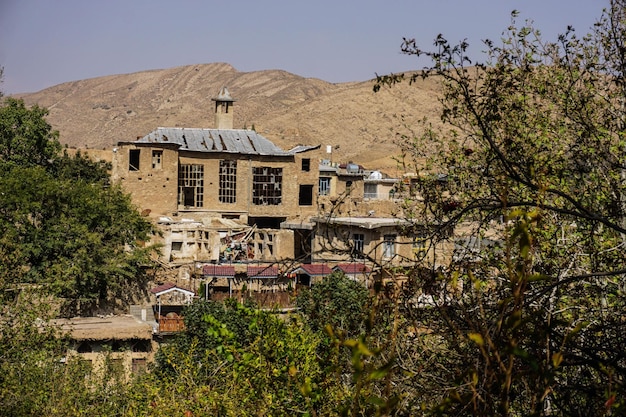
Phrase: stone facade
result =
(183, 178)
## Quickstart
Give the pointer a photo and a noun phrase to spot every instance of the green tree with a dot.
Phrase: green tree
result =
(26, 139)
(63, 227)
(338, 302)
(243, 361)
(533, 154)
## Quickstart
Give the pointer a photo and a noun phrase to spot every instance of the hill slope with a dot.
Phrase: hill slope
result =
(286, 108)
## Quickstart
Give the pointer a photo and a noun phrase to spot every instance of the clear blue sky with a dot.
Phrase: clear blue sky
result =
(47, 42)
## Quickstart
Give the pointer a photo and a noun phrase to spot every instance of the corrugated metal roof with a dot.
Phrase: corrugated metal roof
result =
(169, 286)
(303, 148)
(240, 141)
(364, 222)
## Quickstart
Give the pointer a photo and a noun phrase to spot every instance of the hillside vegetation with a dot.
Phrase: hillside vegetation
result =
(359, 124)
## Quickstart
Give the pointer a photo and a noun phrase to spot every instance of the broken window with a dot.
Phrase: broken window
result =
(324, 186)
(157, 157)
(306, 195)
(228, 182)
(267, 186)
(191, 185)
(133, 159)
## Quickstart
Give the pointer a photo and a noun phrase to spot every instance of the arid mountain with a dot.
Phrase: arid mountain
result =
(357, 123)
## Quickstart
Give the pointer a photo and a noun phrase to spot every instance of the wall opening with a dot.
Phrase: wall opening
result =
(306, 195)
(133, 159)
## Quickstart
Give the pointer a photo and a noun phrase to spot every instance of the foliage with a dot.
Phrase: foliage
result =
(534, 164)
(62, 226)
(26, 139)
(247, 361)
(337, 301)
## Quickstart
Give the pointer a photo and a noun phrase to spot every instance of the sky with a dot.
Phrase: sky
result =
(48, 42)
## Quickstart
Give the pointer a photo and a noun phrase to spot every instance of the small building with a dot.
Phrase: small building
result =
(356, 271)
(198, 174)
(311, 274)
(170, 302)
(124, 340)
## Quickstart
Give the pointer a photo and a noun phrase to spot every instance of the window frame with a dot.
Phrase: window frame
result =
(157, 159)
(324, 186)
(267, 185)
(228, 181)
(389, 245)
(134, 159)
(191, 177)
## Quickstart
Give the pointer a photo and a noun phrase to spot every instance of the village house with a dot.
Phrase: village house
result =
(223, 196)
(126, 342)
(185, 178)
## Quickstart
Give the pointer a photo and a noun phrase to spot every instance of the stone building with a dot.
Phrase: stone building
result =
(186, 177)
(125, 341)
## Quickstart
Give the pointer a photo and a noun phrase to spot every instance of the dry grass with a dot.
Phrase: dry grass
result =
(360, 125)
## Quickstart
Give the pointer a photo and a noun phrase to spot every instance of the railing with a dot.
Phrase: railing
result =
(170, 325)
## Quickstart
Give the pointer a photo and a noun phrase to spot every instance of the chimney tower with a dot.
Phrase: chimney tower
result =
(223, 109)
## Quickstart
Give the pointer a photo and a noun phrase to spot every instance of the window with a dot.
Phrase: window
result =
(306, 195)
(157, 157)
(306, 165)
(267, 186)
(370, 191)
(419, 245)
(358, 239)
(324, 186)
(191, 185)
(139, 365)
(228, 182)
(133, 160)
(389, 246)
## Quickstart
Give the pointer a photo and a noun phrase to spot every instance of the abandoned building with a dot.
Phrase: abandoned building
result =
(223, 196)
(126, 341)
(185, 178)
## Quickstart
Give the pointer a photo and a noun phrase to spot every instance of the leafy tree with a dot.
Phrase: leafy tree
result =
(62, 226)
(338, 302)
(26, 139)
(247, 361)
(533, 153)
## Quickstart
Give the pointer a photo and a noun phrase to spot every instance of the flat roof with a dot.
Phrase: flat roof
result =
(122, 327)
(364, 222)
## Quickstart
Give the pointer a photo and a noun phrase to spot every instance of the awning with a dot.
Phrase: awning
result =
(218, 271)
(269, 271)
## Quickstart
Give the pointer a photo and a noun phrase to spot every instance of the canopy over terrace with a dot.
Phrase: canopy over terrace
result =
(356, 271)
(214, 273)
(170, 299)
(308, 274)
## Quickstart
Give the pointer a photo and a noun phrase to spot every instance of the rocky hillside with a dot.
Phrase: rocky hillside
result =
(359, 124)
